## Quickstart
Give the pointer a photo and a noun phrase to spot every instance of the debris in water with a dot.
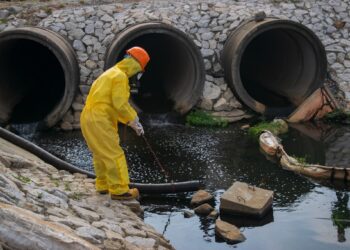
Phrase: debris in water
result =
(315, 107)
(270, 145)
(245, 126)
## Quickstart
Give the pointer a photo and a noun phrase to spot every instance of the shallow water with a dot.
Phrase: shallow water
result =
(303, 209)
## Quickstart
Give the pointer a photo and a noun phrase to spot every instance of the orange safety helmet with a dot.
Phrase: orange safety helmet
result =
(140, 55)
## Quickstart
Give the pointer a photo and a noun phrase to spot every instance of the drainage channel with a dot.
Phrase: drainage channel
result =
(303, 210)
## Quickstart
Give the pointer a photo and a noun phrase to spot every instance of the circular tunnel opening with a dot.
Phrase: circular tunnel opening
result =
(39, 75)
(174, 78)
(34, 73)
(274, 65)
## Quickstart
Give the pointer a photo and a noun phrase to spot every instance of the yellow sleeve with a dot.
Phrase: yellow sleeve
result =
(120, 100)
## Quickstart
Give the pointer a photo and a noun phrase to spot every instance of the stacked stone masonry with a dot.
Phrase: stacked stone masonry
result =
(91, 29)
(41, 207)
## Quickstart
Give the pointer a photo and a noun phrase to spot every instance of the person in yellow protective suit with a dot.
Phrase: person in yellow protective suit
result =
(106, 105)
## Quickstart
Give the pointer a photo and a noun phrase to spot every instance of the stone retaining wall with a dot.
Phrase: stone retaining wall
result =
(91, 30)
(43, 208)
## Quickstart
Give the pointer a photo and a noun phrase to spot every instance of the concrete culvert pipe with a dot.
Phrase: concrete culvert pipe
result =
(174, 78)
(39, 75)
(274, 65)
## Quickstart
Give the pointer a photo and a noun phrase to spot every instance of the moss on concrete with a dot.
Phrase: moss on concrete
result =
(203, 119)
(276, 127)
(338, 116)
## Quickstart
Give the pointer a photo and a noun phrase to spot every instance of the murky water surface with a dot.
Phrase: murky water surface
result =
(306, 214)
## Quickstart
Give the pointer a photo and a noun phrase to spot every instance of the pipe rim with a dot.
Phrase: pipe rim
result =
(270, 24)
(68, 62)
(132, 32)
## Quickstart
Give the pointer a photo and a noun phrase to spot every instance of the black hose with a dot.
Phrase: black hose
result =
(47, 157)
(164, 188)
(41, 153)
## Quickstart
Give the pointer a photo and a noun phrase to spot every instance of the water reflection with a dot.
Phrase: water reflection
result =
(323, 143)
(242, 221)
(341, 214)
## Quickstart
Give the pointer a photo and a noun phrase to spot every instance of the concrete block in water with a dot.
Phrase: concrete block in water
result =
(243, 199)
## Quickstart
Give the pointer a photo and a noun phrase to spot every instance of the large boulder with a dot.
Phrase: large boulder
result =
(243, 199)
(21, 229)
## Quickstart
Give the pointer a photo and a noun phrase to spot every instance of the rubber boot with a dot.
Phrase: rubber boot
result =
(133, 193)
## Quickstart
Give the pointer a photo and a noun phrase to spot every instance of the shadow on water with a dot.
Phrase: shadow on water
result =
(306, 214)
(341, 214)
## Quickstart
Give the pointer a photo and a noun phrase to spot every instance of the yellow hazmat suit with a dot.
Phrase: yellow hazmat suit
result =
(106, 105)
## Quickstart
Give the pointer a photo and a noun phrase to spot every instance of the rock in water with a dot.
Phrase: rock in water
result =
(203, 209)
(243, 199)
(228, 232)
(201, 197)
(213, 214)
(187, 214)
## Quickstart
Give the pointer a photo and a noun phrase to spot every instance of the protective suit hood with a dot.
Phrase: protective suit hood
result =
(129, 66)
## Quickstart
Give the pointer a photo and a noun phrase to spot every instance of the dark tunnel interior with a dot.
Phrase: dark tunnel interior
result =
(168, 76)
(278, 68)
(32, 81)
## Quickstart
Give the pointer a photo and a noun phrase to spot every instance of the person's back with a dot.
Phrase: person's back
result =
(106, 105)
(109, 94)
(100, 92)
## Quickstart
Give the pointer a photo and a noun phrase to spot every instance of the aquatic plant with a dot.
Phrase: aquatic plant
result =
(301, 160)
(276, 127)
(305, 161)
(338, 116)
(203, 119)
